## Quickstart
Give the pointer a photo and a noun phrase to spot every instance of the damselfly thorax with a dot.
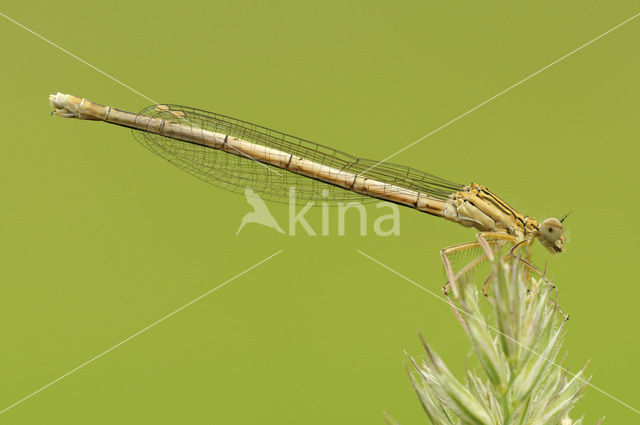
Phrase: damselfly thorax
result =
(476, 206)
(235, 154)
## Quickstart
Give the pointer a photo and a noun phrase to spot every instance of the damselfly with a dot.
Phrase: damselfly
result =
(234, 154)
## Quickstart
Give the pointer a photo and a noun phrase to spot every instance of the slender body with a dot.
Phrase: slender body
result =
(269, 160)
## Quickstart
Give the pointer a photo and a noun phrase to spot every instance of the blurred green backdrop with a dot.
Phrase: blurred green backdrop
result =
(100, 238)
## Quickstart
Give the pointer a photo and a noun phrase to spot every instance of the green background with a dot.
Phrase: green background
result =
(100, 238)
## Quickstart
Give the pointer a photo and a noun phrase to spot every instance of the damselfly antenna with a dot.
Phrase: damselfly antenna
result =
(565, 216)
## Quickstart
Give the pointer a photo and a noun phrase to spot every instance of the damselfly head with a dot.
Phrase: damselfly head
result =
(551, 235)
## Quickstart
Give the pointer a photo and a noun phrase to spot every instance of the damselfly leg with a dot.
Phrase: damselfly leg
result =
(484, 240)
(487, 241)
(490, 243)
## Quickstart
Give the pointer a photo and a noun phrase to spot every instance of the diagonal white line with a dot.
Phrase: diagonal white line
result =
(138, 333)
(77, 58)
(120, 82)
(496, 330)
(503, 92)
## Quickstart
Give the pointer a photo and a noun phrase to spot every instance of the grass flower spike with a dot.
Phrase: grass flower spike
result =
(516, 349)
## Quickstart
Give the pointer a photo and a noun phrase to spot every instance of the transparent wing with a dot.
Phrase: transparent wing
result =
(236, 173)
